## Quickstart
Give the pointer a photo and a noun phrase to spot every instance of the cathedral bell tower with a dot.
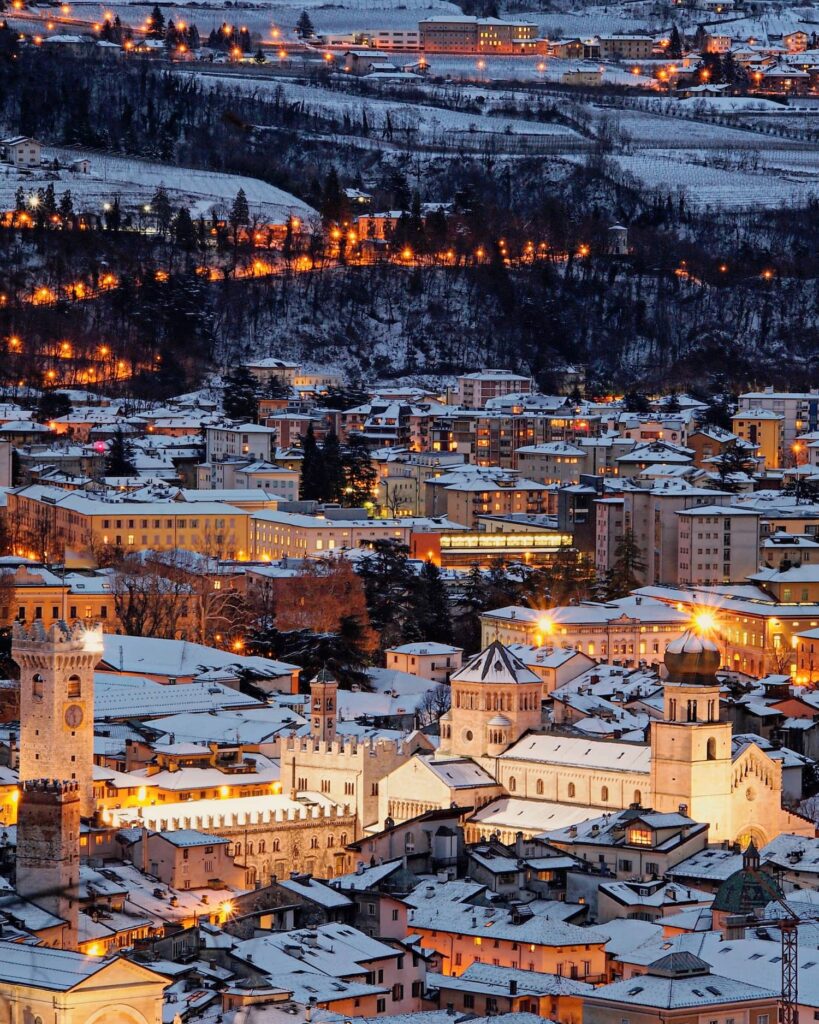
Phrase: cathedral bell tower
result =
(57, 704)
(691, 748)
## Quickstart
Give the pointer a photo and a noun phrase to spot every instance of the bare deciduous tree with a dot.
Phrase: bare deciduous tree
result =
(433, 705)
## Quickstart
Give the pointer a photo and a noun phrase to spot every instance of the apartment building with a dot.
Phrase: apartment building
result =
(717, 544)
(799, 410)
(475, 389)
(465, 34)
(228, 472)
(245, 439)
(621, 46)
(465, 496)
(402, 477)
(608, 532)
(764, 429)
(556, 462)
(650, 513)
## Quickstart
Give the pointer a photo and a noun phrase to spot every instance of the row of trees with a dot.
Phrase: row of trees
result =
(405, 604)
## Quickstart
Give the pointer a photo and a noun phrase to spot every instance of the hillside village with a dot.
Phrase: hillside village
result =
(542, 660)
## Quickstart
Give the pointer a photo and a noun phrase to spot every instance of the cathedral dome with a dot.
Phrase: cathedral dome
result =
(749, 889)
(692, 658)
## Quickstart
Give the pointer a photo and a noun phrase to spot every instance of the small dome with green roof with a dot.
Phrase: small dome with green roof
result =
(749, 889)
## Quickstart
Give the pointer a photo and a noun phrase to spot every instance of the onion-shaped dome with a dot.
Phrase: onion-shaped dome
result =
(692, 658)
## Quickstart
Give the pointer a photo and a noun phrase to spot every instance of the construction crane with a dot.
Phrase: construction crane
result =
(788, 926)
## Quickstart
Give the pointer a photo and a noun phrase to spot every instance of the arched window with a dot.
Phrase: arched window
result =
(276, 845)
(513, 783)
(711, 749)
(331, 840)
(342, 839)
(638, 798)
(238, 851)
(539, 787)
(74, 686)
(250, 849)
(604, 793)
(571, 790)
(261, 846)
(314, 843)
(37, 683)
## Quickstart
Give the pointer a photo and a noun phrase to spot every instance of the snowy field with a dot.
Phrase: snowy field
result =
(344, 16)
(707, 185)
(647, 128)
(135, 182)
(592, 21)
(430, 124)
(349, 15)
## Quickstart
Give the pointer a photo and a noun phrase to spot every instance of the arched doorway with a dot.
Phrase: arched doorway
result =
(116, 1014)
(749, 832)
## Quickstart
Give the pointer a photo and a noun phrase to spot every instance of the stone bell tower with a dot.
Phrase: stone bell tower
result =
(323, 706)
(690, 747)
(57, 703)
(48, 850)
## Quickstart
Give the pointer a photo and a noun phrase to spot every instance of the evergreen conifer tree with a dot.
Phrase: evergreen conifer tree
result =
(119, 460)
(240, 400)
(304, 26)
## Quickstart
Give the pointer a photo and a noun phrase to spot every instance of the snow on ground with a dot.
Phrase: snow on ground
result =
(355, 15)
(591, 22)
(427, 122)
(345, 16)
(708, 185)
(526, 69)
(135, 182)
(732, 104)
(653, 129)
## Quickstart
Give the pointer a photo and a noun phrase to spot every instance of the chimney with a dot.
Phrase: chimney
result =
(145, 857)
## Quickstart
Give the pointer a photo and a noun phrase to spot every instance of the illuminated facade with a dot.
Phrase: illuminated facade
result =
(686, 768)
(57, 704)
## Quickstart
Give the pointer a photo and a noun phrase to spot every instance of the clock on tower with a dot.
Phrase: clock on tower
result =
(57, 703)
